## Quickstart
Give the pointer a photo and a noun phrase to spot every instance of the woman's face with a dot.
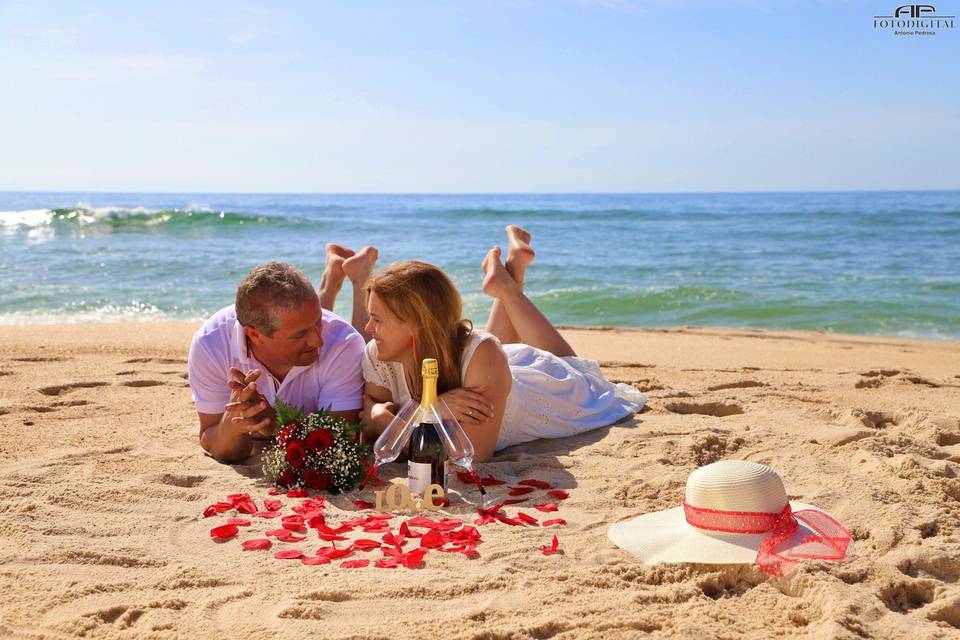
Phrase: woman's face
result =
(387, 330)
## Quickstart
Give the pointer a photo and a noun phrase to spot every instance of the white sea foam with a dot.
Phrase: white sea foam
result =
(26, 218)
(80, 213)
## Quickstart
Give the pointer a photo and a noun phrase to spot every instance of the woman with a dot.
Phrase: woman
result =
(519, 382)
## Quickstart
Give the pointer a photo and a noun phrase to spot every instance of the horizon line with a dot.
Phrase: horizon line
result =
(474, 193)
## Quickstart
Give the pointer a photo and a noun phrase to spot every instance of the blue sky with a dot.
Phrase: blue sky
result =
(499, 96)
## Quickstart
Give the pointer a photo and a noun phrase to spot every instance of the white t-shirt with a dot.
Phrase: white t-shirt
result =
(334, 380)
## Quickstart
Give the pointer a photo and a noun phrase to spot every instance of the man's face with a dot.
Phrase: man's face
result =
(297, 339)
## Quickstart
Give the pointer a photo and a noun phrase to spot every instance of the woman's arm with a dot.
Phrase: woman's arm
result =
(378, 410)
(488, 369)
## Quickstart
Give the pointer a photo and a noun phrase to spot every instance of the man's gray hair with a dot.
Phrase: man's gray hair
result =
(270, 288)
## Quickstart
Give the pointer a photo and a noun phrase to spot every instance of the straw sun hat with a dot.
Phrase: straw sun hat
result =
(735, 512)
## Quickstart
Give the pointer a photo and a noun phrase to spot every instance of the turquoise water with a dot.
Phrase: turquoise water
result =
(870, 263)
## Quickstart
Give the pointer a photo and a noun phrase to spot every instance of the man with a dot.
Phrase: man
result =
(280, 340)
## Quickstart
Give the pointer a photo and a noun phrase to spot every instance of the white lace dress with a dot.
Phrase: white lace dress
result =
(551, 397)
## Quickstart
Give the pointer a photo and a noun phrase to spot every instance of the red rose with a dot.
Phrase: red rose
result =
(318, 480)
(296, 454)
(319, 439)
(286, 478)
(287, 432)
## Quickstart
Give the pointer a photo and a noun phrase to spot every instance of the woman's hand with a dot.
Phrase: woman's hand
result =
(469, 404)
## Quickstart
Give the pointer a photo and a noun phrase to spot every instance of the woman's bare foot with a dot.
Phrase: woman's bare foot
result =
(497, 282)
(359, 267)
(519, 253)
(333, 273)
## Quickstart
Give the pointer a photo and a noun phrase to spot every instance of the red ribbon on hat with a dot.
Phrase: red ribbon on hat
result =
(830, 544)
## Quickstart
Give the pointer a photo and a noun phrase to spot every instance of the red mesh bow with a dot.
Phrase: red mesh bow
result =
(773, 557)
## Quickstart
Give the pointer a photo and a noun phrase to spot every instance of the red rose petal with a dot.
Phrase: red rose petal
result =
(386, 563)
(363, 504)
(519, 491)
(289, 537)
(224, 532)
(247, 507)
(421, 521)
(289, 554)
(432, 539)
(298, 493)
(456, 549)
(272, 505)
(240, 522)
(559, 494)
(211, 511)
(549, 506)
(381, 516)
(490, 481)
(514, 501)
(489, 511)
(355, 564)
(396, 539)
(558, 521)
(448, 524)
(328, 537)
(267, 514)
(313, 560)
(273, 491)
(507, 520)
(406, 533)
(292, 522)
(552, 549)
(484, 520)
(333, 553)
(363, 544)
(539, 484)
(467, 533)
(256, 545)
(527, 518)
(277, 532)
(413, 558)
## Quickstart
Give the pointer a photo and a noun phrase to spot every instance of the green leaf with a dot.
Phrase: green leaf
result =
(287, 413)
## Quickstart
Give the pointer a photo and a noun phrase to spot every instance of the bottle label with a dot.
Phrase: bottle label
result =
(418, 477)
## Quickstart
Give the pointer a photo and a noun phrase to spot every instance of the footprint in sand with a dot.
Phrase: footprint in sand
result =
(39, 359)
(155, 360)
(716, 409)
(142, 383)
(905, 596)
(743, 384)
(61, 389)
(710, 448)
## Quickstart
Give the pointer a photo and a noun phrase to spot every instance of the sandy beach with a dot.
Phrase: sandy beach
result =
(103, 485)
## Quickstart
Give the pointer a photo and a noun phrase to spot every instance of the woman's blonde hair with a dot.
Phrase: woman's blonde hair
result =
(424, 297)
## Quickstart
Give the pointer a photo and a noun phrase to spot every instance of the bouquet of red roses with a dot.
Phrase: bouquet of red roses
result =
(319, 451)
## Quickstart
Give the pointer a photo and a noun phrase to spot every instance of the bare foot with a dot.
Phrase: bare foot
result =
(359, 268)
(333, 273)
(520, 253)
(497, 282)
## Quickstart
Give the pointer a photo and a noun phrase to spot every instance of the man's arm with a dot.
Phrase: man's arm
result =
(226, 436)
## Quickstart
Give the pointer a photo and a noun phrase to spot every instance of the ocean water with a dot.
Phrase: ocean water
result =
(870, 263)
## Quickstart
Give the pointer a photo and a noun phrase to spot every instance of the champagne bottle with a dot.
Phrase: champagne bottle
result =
(426, 458)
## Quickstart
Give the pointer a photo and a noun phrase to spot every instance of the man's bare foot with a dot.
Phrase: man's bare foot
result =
(519, 253)
(497, 282)
(359, 268)
(333, 273)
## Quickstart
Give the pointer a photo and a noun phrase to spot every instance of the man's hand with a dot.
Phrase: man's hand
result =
(248, 411)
